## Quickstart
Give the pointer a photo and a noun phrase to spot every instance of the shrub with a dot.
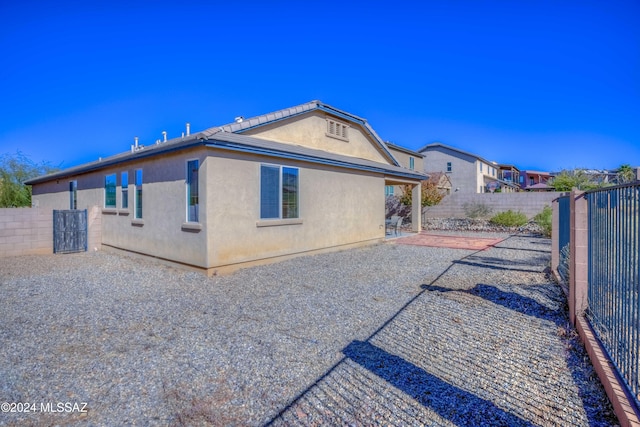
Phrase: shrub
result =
(431, 195)
(509, 219)
(543, 219)
(476, 210)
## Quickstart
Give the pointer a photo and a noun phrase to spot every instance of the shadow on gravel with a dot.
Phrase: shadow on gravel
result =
(502, 265)
(512, 300)
(449, 401)
(542, 251)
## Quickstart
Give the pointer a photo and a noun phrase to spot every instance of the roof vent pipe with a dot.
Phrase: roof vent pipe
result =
(164, 136)
(239, 119)
(135, 139)
(188, 129)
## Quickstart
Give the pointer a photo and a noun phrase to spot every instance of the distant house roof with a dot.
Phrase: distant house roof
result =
(506, 166)
(404, 150)
(447, 147)
(220, 138)
(532, 172)
(538, 186)
(439, 178)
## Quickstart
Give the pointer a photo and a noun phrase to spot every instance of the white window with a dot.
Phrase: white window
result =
(193, 204)
(278, 192)
(337, 129)
(388, 190)
(448, 166)
(411, 163)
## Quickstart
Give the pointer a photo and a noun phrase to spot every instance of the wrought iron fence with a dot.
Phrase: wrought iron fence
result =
(564, 235)
(614, 303)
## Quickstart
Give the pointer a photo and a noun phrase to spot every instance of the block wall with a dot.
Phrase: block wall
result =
(29, 231)
(529, 203)
(26, 231)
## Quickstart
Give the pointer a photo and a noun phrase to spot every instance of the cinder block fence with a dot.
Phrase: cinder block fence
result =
(596, 249)
(29, 231)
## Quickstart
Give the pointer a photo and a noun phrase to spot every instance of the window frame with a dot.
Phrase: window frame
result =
(449, 167)
(73, 194)
(188, 188)
(110, 189)
(124, 189)
(412, 163)
(137, 199)
(280, 186)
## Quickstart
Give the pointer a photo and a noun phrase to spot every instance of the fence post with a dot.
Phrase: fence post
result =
(555, 236)
(416, 207)
(579, 255)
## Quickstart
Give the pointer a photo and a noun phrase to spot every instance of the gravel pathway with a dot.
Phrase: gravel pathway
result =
(385, 335)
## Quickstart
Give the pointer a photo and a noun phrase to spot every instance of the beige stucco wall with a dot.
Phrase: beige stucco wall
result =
(310, 131)
(403, 159)
(160, 233)
(337, 207)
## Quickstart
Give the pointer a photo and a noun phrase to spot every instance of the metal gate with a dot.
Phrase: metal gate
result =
(69, 231)
(614, 277)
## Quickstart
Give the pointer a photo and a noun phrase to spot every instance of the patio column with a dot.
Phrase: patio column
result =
(416, 207)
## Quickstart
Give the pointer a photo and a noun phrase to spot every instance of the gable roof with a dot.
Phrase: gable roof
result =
(438, 177)
(404, 150)
(276, 116)
(221, 139)
(448, 147)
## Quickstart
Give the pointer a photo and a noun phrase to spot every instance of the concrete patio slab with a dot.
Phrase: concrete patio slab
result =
(452, 242)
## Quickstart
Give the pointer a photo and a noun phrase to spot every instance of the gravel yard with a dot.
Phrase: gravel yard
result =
(386, 335)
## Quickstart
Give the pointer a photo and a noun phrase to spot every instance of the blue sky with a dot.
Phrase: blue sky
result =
(542, 85)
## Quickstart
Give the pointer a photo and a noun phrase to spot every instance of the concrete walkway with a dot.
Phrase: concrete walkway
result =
(487, 342)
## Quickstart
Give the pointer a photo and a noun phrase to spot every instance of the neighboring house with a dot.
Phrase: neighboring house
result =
(406, 158)
(468, 172)
(531, 180)
(442, 181)
(510, 176)
(301, 180)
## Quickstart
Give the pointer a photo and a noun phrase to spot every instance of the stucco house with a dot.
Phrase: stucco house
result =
(406, 158)
(301, 180)
(469, 173)
(531, 180)
(441, 180)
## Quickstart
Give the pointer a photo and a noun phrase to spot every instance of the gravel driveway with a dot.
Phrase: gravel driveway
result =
(385, 335)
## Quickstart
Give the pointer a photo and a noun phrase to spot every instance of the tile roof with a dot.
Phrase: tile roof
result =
(219, 138)
(231, 134)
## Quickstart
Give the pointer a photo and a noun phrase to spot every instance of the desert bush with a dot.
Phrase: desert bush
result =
(431, 194)
(543, 219)
(476, 210)
(509, 219)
